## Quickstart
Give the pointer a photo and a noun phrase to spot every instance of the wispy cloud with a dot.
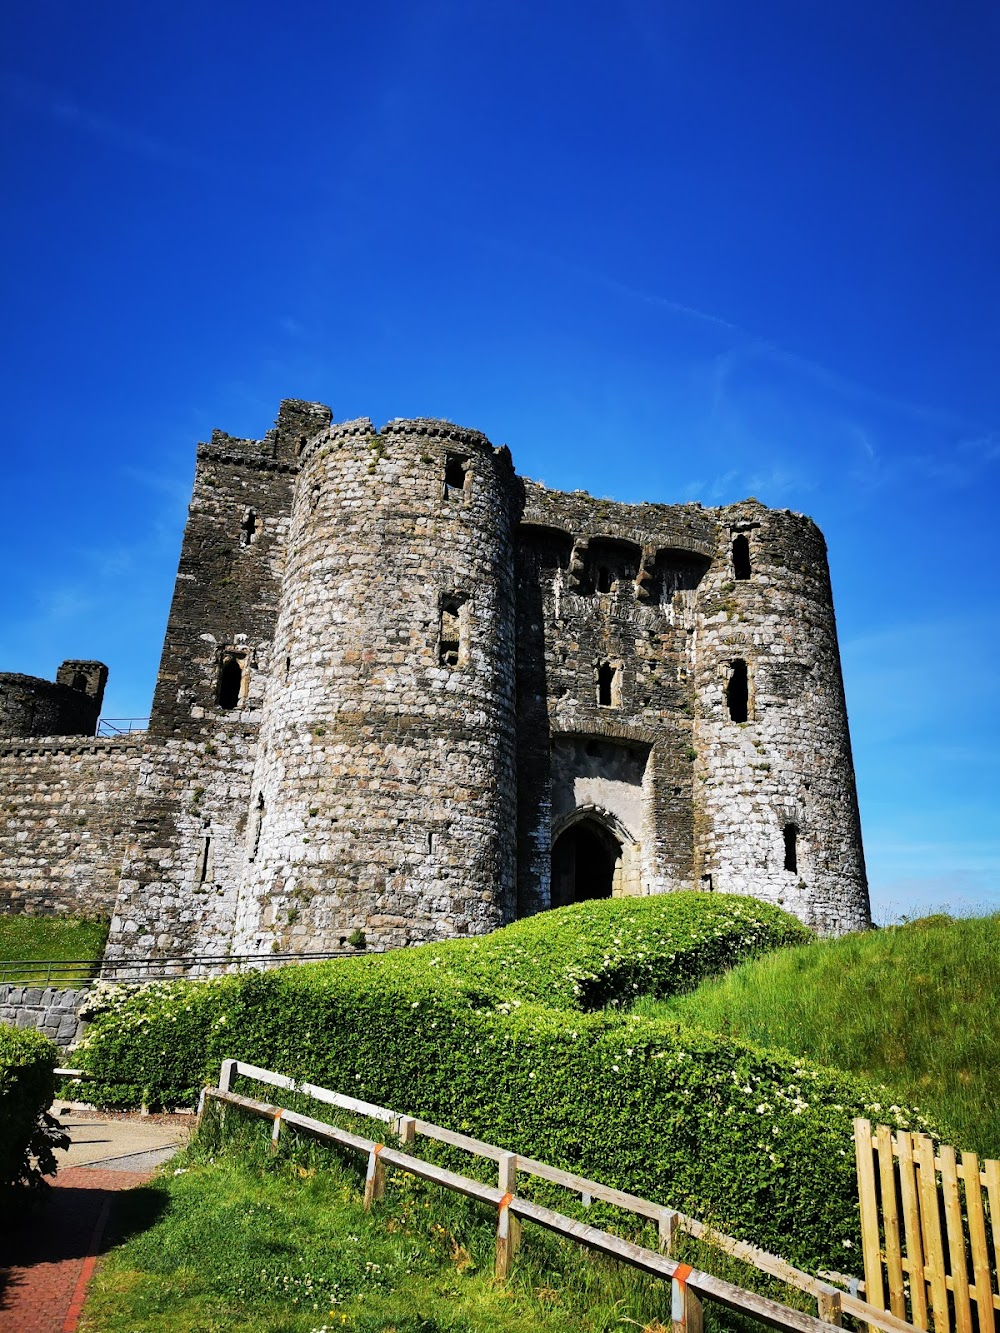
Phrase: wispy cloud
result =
(57, 106)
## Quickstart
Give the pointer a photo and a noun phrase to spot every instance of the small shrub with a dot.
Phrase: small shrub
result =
(28, 1134)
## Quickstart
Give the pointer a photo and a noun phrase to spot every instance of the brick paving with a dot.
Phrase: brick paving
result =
(48, 1260)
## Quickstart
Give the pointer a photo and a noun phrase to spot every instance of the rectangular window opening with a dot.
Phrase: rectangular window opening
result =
(457, 477)
(451, 635)
(609, 692)
(791, 836)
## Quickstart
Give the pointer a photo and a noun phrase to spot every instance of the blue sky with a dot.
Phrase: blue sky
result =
(686, 250)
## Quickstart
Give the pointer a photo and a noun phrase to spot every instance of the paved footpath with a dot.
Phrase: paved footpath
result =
(45, 1264)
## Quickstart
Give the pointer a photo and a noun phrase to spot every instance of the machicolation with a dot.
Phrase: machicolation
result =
(405, 691)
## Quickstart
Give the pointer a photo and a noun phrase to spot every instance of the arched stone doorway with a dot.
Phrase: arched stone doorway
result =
(586, 863)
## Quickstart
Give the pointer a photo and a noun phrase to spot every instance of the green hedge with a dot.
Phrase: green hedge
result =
(754, 1140)
(27, 1060)
(608, 952)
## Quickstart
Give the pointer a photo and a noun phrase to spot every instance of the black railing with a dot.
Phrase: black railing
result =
(110, 727)
(80, 972)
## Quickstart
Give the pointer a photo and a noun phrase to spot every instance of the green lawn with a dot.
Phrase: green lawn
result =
(230, 1238)
(44, 938)
(915, 1006)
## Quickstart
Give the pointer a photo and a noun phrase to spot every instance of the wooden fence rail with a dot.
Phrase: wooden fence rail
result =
(831, 1303)
(925, 1240)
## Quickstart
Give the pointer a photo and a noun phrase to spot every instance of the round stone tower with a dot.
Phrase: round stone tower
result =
(383, 794)
(776, 811)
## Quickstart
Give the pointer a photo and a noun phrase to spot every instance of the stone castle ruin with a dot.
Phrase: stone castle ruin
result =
(404, 690)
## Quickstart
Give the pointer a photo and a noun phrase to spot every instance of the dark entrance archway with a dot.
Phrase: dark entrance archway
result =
(585, 857)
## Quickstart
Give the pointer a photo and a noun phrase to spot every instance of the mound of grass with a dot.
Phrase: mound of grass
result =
(29, 939)
(915, 1006)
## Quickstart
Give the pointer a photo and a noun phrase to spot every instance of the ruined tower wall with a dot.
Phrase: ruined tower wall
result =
(186, 846)
(30, 706)
(383, 796)
(788, 766)
(606, 583)
(65, 810)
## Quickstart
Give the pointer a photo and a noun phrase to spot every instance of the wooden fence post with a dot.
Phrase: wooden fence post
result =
(930, 1223)
(501, 1267)
(890, 1221)
(667, 1224)
(870, 1247)
(227, 1074)
(276, 1131)
(374, 1178)
(977, 1241)
(406, 1129)
(829, 1306)
(911, 1228)
(507, 1181)
(956, 1239)
(686, 1314)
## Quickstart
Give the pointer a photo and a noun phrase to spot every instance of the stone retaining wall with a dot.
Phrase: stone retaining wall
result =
(48, 1008)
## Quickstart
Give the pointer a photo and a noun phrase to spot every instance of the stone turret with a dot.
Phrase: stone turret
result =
(776, 803)
(383, 794)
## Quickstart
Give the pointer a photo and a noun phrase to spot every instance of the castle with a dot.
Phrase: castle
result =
(404, 690)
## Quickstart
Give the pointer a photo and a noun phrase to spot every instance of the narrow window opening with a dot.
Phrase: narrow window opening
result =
(430, 843)
(80, 682)
(303, 441)
(604, 579)
(205, 860)
(741, 557)
(230, 683)
(607, 685)
(258, 826)
(450, 640)
(314, 497)
(288, 667)
(248, 528)
(791, 835)
(738, 692)
(456, 476)
(706, 883)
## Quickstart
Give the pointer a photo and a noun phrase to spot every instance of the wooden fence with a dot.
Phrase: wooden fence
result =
(689, 1286)
(927, 1223)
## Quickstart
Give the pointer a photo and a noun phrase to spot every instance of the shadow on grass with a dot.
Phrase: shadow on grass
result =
(67, 1223)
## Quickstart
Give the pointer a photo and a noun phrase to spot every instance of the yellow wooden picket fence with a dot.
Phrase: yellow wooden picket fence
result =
(930, 1227)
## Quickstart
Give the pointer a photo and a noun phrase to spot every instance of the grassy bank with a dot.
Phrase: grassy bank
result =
(42, 938)
(231, 1238)
(916, 1007)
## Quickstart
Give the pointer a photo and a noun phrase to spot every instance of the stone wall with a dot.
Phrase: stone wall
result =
(50, 1009)
(606, 607)
(186, 850)
(65, 810)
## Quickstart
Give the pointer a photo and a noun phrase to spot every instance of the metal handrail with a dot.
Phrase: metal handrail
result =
(81, 972)
(109, 727)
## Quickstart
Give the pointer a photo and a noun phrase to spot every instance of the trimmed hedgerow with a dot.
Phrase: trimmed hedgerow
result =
(27, 1132)
(755, 1140)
